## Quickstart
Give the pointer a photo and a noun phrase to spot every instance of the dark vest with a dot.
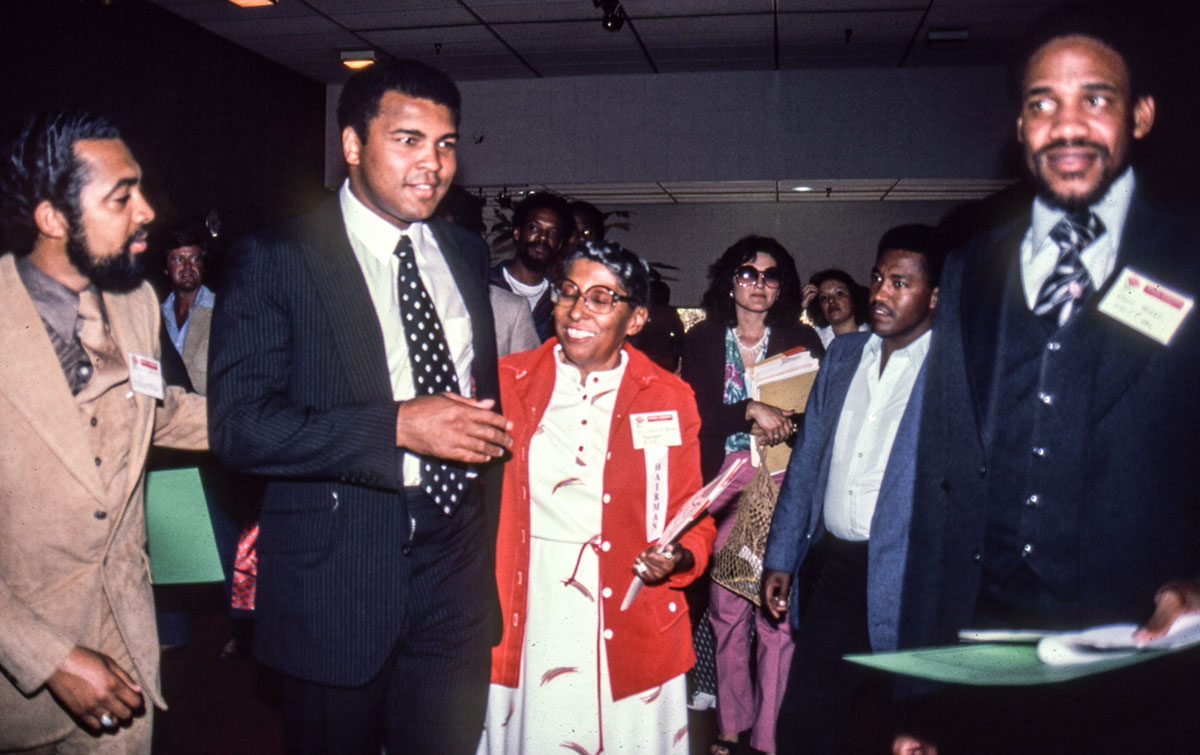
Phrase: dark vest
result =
(1033, 437)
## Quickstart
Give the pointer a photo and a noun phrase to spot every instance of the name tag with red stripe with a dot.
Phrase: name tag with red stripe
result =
(145, 376)
(1146, 305)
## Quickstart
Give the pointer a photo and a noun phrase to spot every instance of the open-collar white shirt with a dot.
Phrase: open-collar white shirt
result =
(866, 431)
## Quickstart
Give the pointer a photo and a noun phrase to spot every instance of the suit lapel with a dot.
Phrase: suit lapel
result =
(470, 276)
(984, 284)
(840, 376)
(343, 295)
(32, 380)
(133, 334)
(1117, 354)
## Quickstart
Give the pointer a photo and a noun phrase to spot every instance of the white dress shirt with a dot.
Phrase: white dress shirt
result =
(178, 333)
(374, 240)
(1039, 254)
(866, 430)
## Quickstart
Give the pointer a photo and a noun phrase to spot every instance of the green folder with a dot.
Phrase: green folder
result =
(181, 543)
(990, 664)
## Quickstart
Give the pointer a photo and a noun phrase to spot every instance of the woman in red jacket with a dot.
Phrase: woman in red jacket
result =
(605, 453)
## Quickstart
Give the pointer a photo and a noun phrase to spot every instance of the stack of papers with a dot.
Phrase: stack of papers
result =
(785, 381)
(798, 361)
(1023, 657)
(1114, 641)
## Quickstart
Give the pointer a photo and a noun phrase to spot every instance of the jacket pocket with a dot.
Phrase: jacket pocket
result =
(306, 533)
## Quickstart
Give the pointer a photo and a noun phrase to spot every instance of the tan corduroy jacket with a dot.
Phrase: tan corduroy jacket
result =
(68, 550)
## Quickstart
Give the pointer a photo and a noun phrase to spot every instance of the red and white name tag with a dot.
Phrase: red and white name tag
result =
(1146, 305)
(145, 376)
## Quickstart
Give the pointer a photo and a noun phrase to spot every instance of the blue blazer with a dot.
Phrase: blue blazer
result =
(798, 523)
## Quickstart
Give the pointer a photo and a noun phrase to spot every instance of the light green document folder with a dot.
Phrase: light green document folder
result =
(182, 547)
(989, 664)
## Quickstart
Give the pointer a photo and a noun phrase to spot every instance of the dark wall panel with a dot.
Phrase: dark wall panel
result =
(213, 125)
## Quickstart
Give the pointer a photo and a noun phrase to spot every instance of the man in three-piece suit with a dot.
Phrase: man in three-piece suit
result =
(1057, 484)
(841, 521)
(79, 383)
(352, 364)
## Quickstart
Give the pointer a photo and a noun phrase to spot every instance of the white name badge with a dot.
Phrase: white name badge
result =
(1145, 305)
(655, 429)
(145, 376)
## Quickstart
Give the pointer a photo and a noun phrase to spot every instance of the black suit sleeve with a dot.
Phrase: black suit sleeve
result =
(276, 387)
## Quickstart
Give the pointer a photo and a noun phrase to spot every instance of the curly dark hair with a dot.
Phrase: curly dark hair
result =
(359, 102)
(41, 165)
(717, 301)
(630, 270)
(539, 200)
(858, 296)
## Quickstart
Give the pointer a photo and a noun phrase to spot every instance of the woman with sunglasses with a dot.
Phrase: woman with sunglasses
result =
(752, 307)
(604, 455)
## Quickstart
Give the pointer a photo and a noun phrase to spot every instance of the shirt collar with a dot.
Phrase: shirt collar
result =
(915, 351)
(377, 236)
(1111, 209)
(204, 298)
(56, 304)
(603, 378)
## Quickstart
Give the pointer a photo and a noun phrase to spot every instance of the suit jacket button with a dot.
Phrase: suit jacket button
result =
(976, 557)
(101, 514)
(983, 470)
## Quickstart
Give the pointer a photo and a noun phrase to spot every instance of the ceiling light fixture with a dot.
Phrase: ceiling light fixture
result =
(252, 3)
(614, 14)
(946, 38)
(357, 59)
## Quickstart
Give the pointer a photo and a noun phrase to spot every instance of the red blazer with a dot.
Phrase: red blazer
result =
(652, 641)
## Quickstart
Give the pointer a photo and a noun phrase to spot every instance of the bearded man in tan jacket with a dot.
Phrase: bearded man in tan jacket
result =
(81, 400)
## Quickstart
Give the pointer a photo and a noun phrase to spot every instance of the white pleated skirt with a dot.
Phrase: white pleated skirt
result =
(564, 699)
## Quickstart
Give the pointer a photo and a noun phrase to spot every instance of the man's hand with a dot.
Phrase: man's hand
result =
(450, 426)
(1172, 600)
(771, 424)
(90, 685)
(776, 592)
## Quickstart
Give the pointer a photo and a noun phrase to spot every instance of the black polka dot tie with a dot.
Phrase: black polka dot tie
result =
(432, 369)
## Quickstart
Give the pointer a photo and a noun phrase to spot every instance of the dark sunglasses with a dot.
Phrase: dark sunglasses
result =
(748, 275)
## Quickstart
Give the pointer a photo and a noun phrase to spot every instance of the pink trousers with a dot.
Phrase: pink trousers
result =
(744, 702)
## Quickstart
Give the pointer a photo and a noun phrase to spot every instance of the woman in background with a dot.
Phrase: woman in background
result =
(835, 304)
(586, 496)
(752, 309)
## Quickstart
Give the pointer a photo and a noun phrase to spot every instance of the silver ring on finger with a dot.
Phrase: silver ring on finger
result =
(107, 721)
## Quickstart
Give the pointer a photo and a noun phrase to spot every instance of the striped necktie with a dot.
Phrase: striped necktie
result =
(1069, 285)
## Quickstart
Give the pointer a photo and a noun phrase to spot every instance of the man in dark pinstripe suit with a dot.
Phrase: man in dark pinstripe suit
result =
(378, 605)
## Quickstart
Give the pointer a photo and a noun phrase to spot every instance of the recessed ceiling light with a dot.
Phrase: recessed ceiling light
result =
(252, 3)
(357, 59)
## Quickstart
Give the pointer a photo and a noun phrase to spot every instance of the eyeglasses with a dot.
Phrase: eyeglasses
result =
(599, 300)
(748, 275)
